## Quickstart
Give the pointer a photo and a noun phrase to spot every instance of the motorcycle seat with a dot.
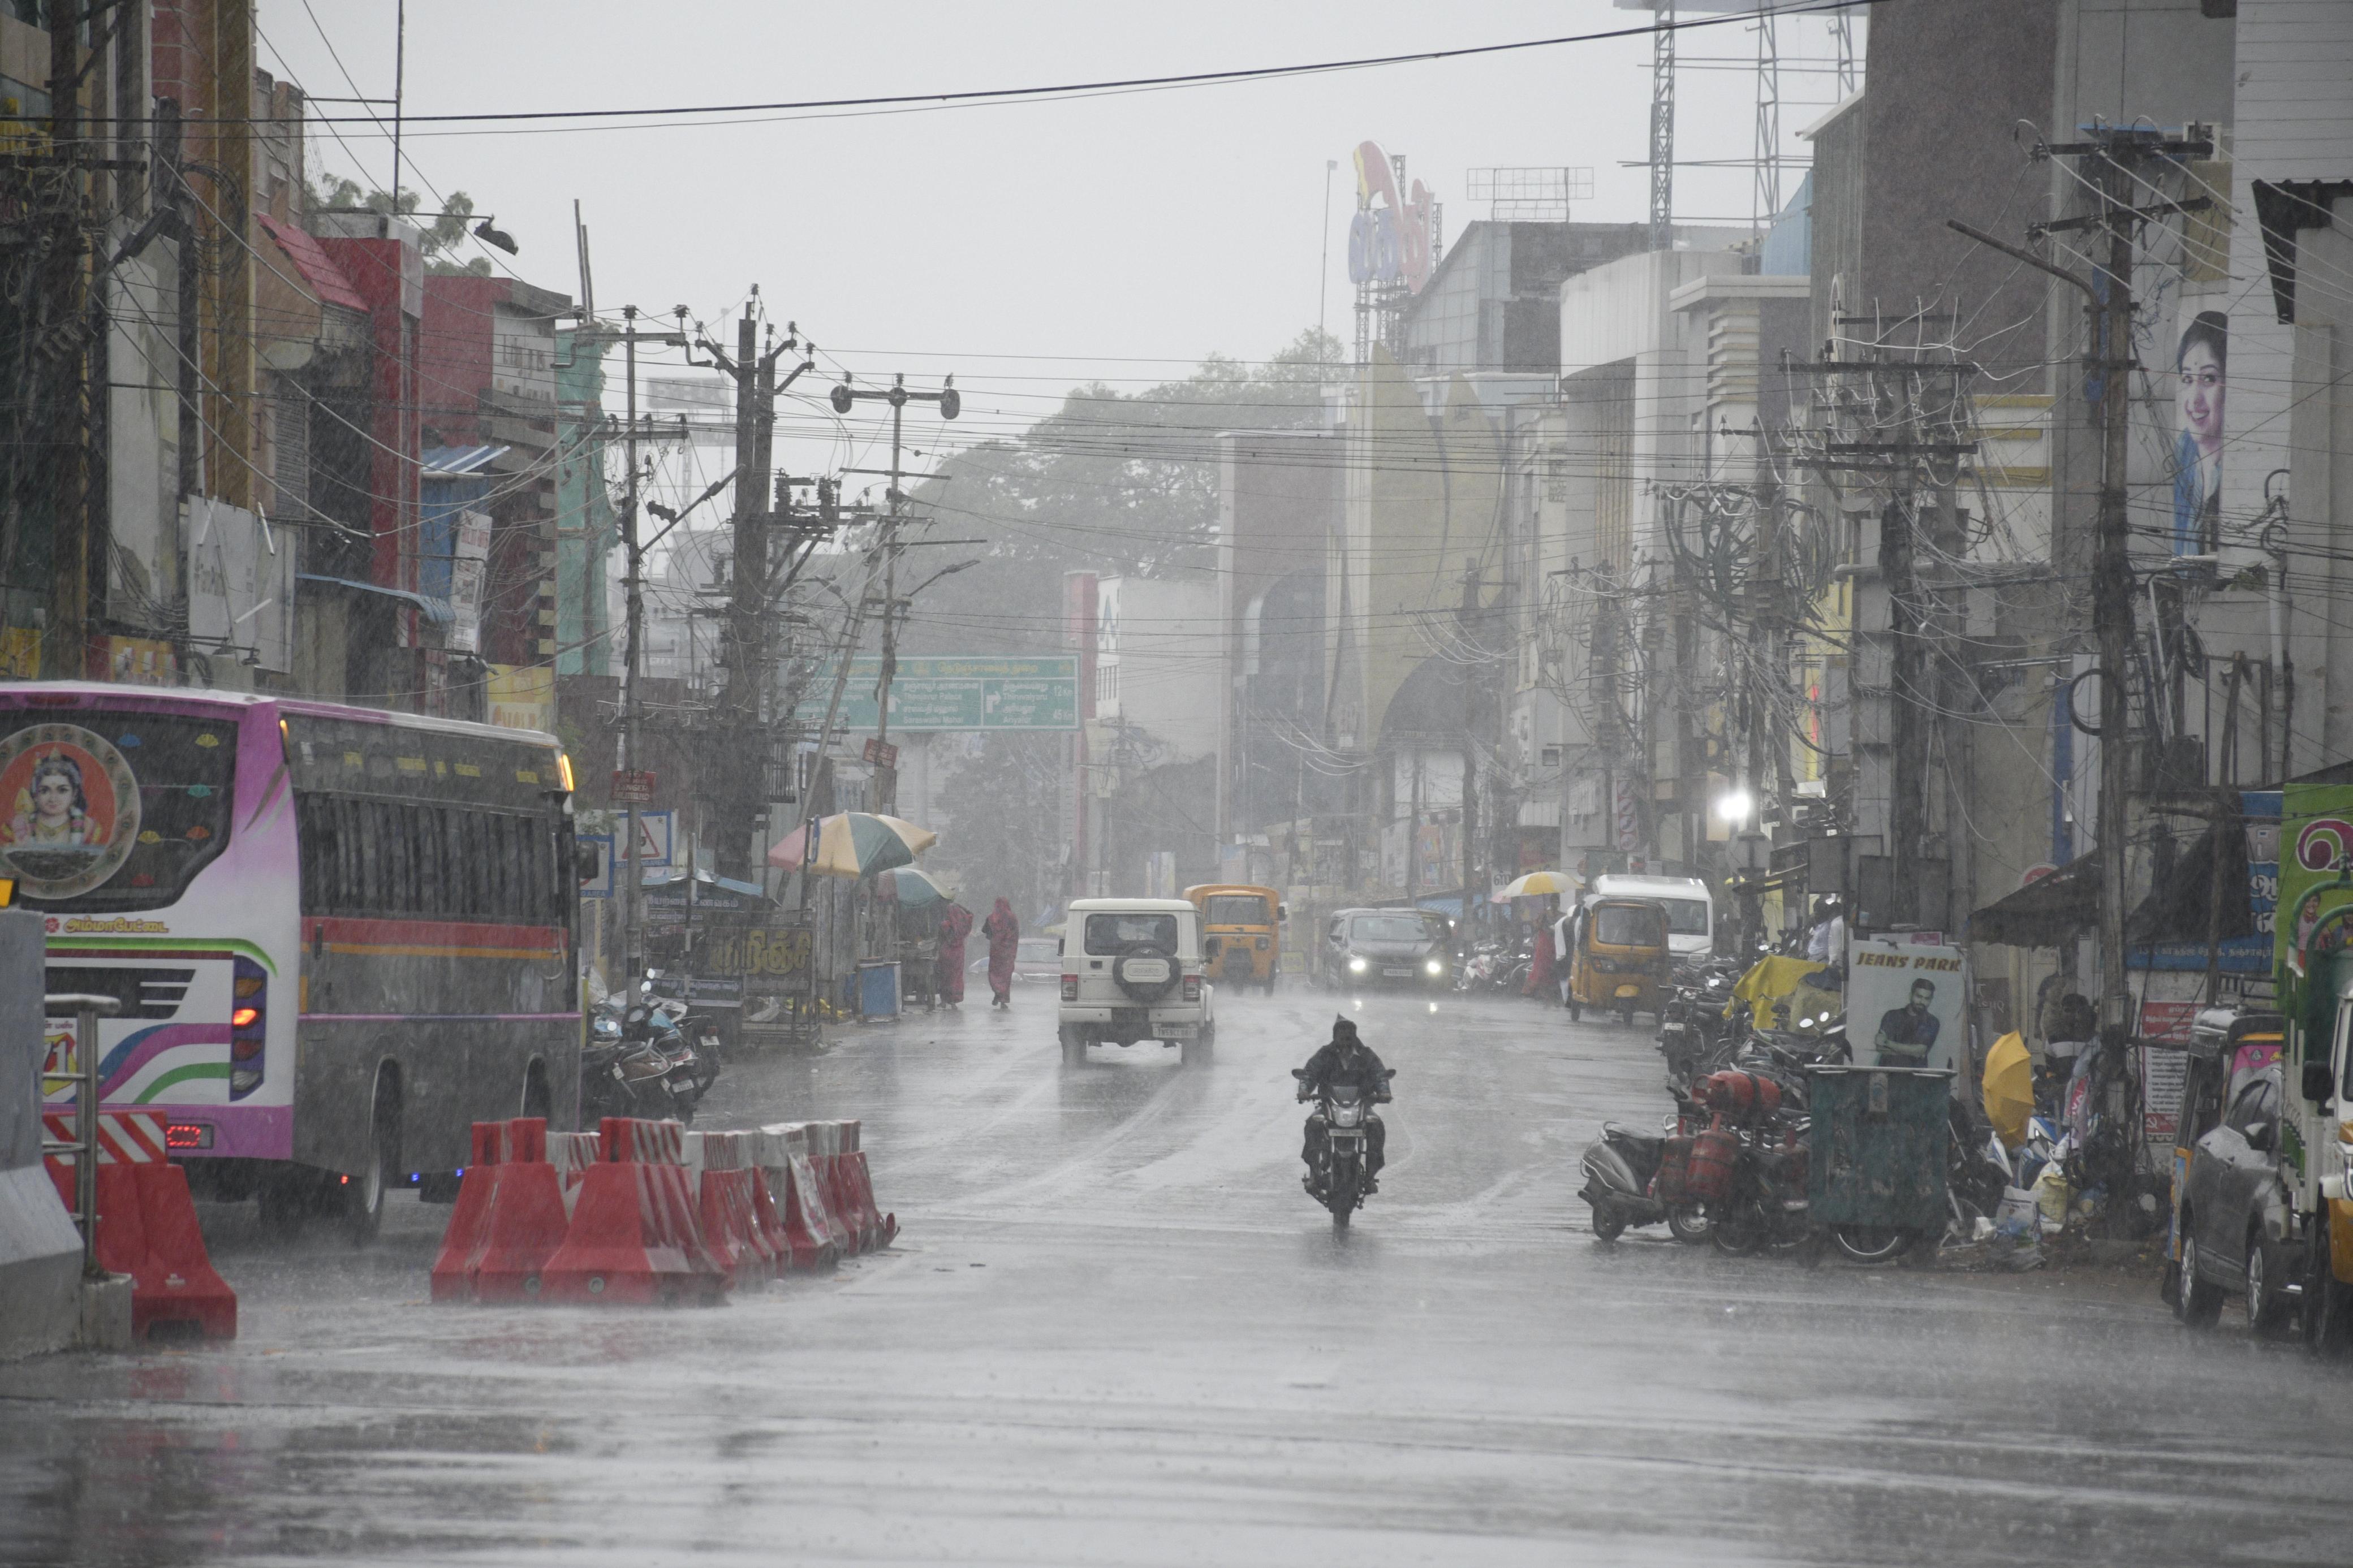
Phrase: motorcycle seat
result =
(1651, 1144)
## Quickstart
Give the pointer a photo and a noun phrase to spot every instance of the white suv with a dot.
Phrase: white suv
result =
(1131, 970)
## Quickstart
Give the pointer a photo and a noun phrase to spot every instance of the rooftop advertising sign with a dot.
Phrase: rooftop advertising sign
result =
(1390, 243)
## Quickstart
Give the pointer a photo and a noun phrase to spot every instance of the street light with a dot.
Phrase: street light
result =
(1735, 806)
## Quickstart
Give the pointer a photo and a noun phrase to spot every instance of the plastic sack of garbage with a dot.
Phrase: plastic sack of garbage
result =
(2053, 1197)
(2017, 1242)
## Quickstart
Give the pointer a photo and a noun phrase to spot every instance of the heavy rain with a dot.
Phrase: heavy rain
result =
(1555, 782)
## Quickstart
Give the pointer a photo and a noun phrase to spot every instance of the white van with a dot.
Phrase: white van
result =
(1133, 970)
(1691, 908)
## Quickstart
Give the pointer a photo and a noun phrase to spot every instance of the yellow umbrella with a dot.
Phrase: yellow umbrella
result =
(2010, 1089)
(1537, 884)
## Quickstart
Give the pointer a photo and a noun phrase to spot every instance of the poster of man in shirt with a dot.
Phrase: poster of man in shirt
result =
(1903, 1006)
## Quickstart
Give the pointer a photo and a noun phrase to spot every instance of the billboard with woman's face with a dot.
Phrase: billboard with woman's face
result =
(2200, 363)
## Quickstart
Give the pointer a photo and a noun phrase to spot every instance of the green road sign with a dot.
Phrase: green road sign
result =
(952, 693)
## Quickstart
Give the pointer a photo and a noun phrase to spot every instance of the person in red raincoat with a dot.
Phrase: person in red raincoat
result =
(948, 980)
(1003, 929)
(1539, 981)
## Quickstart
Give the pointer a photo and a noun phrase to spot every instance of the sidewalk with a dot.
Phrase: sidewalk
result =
(2078, 1267)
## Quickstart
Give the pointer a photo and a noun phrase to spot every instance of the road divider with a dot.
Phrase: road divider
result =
(645, 1211)
(147, 1227)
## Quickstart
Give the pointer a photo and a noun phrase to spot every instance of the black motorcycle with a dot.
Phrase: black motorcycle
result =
(1339, 1178)
(1621, 1186)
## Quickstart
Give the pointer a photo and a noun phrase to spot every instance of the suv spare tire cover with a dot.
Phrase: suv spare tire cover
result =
(1147, 973)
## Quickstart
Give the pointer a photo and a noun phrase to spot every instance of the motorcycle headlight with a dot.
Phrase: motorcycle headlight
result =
(1348, 1115)
(1355, 966)
(607, 1029)
(1434, 967)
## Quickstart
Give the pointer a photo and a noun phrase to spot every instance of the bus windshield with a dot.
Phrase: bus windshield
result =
(112, 811)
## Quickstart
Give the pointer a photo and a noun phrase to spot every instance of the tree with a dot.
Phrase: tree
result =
(1004, 823)
(1118, 483)
(441, 237)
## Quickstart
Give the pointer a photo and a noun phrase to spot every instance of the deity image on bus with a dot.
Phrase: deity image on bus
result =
(56, 808)
(71, 808)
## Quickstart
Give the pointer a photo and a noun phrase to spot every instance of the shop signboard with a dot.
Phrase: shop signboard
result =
(2315, 912)
(1905, 996)
(769, 960)
(2164, 1067)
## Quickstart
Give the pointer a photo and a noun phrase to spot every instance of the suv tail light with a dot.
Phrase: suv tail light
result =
(1192, 988)
(1070, 987)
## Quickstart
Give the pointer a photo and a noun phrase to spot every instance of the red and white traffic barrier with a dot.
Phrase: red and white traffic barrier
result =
(645, 1211)
(147, 1224)
(636, 1234)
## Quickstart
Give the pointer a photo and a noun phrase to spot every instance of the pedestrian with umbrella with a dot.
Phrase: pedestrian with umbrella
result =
(1003, 929)
(955, 924)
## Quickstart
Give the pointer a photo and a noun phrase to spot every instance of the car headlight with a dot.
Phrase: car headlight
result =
(1435, 967)
(1355, 966)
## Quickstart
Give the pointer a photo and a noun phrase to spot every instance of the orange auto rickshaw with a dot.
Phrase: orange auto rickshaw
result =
(1617, 957)
(1247, 923)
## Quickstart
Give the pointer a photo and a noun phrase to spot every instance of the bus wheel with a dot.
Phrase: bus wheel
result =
(364, 1193)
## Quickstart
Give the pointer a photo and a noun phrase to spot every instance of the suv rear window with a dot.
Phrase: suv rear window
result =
(1118, 932)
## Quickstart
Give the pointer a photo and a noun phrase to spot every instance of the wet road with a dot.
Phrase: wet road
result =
(1115, 1331)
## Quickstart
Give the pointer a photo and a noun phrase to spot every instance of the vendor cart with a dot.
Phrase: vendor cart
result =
(1881, 1150)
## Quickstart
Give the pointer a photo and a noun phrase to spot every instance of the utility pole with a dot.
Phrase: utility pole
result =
(56, 337)
(845, 397)
(741, 785)
(1903, 708)
(2109, 306)
(633, 595)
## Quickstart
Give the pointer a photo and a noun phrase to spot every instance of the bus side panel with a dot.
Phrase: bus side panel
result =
(460, 1012)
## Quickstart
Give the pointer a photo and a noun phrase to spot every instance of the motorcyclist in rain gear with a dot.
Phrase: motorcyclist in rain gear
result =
(1345, 1061)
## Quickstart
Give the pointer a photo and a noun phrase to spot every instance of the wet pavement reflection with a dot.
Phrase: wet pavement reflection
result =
(1115, 1331)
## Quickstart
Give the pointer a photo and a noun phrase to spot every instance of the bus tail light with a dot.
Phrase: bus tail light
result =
(188, 1135)
(248, 1029)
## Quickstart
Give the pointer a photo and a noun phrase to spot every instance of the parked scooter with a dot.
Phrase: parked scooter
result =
(1636, 1179)
(638, 1062)
(1340, 1173)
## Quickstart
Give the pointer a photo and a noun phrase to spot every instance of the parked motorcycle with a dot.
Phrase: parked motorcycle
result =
(639, 1062)
(1636, 1179)
(1339, 1172)
(1691, 1020)
(1749, 1167)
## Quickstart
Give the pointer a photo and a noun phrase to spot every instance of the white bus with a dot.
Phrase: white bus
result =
(339, 935)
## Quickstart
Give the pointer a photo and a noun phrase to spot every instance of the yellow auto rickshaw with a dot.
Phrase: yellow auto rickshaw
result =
(1617, 957)
(1247, 923)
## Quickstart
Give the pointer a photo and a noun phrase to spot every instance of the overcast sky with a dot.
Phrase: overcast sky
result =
(1025, 248)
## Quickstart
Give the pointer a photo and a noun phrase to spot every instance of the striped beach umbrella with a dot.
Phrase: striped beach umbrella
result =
(912, 889)
(851, 845)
